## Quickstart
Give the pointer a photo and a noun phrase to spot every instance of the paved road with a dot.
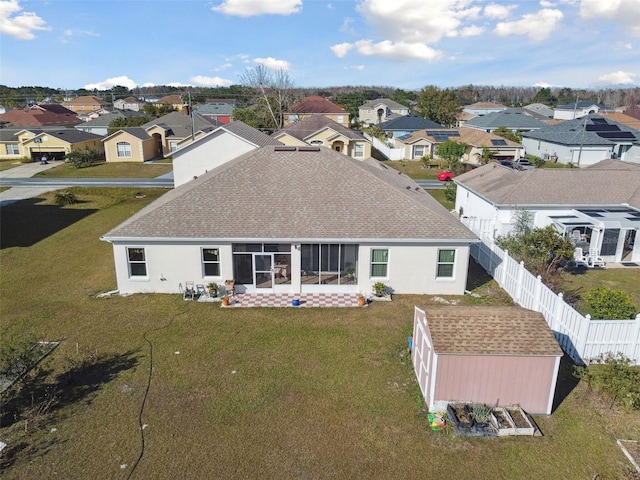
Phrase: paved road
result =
(430, 184)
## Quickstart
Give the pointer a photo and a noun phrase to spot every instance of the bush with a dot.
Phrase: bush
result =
(614, 376)
(450, 190)
(86, 158)
(66, 198)
(610, 304)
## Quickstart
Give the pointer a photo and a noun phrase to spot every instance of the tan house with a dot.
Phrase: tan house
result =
(129, 103)
(86, 103)
(166, 134)
(316, 105)
(55, 144)
(380, 110)
(318, 130)
(425, 143)
(174, 101)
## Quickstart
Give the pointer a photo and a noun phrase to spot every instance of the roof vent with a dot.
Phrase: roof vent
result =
(308, 149)
(285, 149)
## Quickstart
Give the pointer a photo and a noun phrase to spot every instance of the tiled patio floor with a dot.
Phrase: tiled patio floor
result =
(284, 300)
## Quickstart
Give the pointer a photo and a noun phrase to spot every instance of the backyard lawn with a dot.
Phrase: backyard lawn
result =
(240, 393)
(108, 170)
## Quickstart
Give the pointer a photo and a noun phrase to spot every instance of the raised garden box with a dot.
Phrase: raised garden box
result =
(460, 415)
(519, 418)
(502, 422)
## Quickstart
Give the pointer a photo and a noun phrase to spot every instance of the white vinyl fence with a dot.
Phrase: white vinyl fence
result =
(389, 152)
(580, 337)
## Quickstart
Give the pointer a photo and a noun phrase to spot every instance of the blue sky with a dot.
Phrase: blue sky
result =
(399, 43)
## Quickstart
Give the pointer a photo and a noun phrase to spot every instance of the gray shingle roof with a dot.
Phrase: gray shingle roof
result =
(580, 105)
(490, 331)
(314, 123)
(180, 124)
(610, 182)
(410, 122)
(287, 193)
(511, 118)
(250, 134)
(576, 132)
(391, 104)
(72, 135)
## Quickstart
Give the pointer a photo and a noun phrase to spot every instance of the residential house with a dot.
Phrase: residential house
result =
(39, 116)
(55, 143)
(601, 202)
(515, 119)
(218, 110)
(85, 103)
(579, 109)
(462, 118)
(216, 148)
(168, 132)
(129, 103)
(380, 110)
(174, 101)
(294, 220)
(100, 125)
(540, 109)
(624, 119)
(9, 144)
(584, 141)
(88, 116)
(316, 105)
(425, 143)
(319, 130)
(483, 108)
(406, 125)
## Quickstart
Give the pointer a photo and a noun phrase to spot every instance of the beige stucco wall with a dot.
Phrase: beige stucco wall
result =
(141, 150)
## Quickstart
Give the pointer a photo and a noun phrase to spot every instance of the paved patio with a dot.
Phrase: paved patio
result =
(284, 300)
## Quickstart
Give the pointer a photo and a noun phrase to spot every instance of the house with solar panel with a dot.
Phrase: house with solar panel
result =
(597, 207)
(584, 141)
(425, 142)
(287, 219)
(515, 119)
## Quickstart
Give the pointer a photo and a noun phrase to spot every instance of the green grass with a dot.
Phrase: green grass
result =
(414, 169)
(108, 170)
(7, 164)
(579, 283)
(241, 393)
(439, 196)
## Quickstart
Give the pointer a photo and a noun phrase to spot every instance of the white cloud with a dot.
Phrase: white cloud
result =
(499, 12)
(624, 12)
(203, 81)
(537, 26)
(249, 8)
(122, 81)
(355, 67)
(273, 63)
(542, 85)
(346, 26)
(341, 49)
(18, 24)
(471, 31)
(397, 51)
(68, 34)
(224, 66)
(616, 78)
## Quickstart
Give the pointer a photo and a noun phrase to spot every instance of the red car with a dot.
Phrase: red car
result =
(446, 176)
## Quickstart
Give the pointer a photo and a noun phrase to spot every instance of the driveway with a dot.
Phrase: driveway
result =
(25, 170)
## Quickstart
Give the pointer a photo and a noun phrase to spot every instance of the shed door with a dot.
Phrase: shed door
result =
(422, 354)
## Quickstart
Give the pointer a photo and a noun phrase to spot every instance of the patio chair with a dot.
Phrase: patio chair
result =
(595, 260)
(201, 292)
(580, 259)
(189, 292)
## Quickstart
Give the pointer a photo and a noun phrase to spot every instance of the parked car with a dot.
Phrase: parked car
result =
(523, 164)
(506, 163)
(446, 176)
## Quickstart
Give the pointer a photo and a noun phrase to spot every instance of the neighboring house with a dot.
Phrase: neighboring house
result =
(624, 119)
(217, 110)
(9, 144)
(492, 355)
(168, 132)
(513, 119)
(463, 117)
(319, 130)
(174, 101)
(584, 141)
(540, 109)
(40, 116)
(129, 103)
(602, 202)
(55, 143)
(483, 108)
(88, 116)
(294, 220)
(380, 110)
(100, 125)
(425, 142)
(314, 105)
(85, 103)
(406, 125)
(578, 109)
(216, 148)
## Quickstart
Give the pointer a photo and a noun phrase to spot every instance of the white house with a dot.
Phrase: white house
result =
(215, 148)
(578, 109)
(600, 203)
(294, 220)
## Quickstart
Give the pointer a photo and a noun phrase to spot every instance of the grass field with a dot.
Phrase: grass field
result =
(108, 170)
(627, 279)
(241, 393)
(414, 169)
(7, 164)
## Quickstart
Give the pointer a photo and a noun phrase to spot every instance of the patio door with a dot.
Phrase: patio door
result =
(263, 271)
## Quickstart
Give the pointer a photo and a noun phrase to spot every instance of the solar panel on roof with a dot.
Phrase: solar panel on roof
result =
(602, 128)
(599, 120)
(617, 135)
(498, 142)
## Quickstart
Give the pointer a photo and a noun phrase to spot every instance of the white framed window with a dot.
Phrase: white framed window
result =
(446, 263)
(123, 149)
(418, 151)
(358, 150)
(379, 262)
(293, 118)
(12, 149)
(173, 146)
(211, 262)
(340, 119)
(137, 262)
(316, 142)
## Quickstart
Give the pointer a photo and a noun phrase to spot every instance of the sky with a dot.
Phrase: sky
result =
(406, 44)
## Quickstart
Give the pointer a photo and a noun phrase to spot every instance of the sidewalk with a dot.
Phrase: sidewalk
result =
(25, 170)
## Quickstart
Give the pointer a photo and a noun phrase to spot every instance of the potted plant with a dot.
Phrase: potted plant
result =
(225, 300)
(362, 301)
(213, 289)
(379, 289)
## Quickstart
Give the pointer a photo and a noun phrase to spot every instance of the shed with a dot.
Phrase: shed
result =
(504, 355)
